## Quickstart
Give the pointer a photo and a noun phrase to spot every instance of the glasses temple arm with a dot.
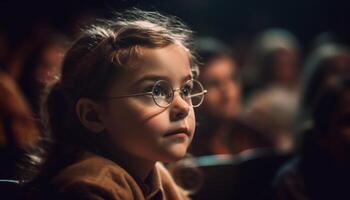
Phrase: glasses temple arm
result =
(130, 95)
(198, 94)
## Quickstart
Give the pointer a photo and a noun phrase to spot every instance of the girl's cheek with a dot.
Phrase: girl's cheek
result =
(157, 123)
(144, 112)
(192, 120)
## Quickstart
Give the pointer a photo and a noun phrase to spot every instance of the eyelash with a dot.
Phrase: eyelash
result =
(148, 88)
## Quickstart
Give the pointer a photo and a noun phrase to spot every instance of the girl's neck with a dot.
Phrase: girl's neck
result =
(136, 166)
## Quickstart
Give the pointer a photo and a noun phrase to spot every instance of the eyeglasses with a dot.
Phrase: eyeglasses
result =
(163, 94)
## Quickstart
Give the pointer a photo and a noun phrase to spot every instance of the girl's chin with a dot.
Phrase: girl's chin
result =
(174, 156)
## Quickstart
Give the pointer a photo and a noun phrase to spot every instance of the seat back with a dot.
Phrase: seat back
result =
(10, 189)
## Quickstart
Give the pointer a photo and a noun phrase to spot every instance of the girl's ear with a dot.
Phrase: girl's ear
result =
(89, 113)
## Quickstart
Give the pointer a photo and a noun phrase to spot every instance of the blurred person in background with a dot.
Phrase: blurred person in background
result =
(273, 115)
(274, 93)
(41, 69)
(18, 131)
(220, 76)
(324, 63)
(274, 63)
(320, 171)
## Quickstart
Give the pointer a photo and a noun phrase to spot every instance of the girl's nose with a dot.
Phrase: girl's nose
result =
(179, 108)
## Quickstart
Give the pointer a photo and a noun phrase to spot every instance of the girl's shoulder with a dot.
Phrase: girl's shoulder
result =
(95, 176)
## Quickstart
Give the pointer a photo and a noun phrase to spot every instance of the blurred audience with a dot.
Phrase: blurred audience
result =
(18, 131)
(320, 171)
(41, 69)
(274, 91)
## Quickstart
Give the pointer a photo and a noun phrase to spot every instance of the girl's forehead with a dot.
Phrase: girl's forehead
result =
(172, 60)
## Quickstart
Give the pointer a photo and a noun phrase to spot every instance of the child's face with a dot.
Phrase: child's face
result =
(137, 125)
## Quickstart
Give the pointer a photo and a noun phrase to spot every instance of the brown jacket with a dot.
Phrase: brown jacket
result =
(95, 177)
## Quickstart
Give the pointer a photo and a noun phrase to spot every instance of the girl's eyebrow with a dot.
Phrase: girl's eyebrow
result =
(186, 78)
(155, 78)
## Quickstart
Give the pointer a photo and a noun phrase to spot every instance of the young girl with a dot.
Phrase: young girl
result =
(124, 102)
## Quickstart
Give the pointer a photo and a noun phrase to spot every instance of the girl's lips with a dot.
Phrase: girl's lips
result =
(178, 131)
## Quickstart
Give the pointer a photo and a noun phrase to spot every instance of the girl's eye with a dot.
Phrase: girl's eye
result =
(186, 90)
(159, 91)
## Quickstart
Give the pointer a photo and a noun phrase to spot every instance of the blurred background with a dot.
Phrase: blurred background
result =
(235, 22)
(270, 68)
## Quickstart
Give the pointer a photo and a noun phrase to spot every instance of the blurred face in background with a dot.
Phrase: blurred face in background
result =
(337, 65)
(49, 66)
(220, 78)
(285, 67)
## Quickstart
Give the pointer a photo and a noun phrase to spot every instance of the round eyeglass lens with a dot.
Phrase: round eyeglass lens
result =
(162, 93)
(194, 91)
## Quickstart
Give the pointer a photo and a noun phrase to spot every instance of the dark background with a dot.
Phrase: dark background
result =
(231, 21)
